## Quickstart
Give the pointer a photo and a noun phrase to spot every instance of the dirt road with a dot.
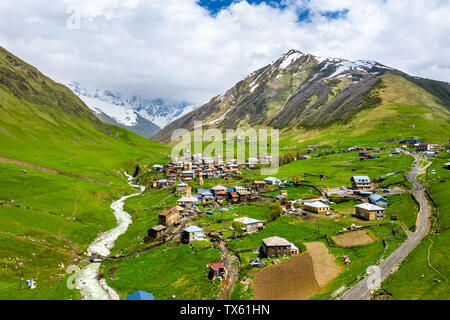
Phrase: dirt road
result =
(231, 263)
(361, 290)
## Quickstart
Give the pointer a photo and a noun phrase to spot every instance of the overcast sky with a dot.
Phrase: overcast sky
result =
(193, 50)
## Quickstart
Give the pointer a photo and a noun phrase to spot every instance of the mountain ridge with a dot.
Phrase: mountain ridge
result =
(144, 117)
(300, 90)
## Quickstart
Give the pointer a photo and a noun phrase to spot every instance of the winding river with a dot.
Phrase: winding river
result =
(87, 280)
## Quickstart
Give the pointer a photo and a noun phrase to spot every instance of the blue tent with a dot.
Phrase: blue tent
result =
(140, 295)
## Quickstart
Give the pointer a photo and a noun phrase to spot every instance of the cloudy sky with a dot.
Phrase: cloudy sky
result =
(195, 49)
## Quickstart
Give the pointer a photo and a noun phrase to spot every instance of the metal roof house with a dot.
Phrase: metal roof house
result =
(250, 223)
(316, 206)
(378, 200)
(140, 295)
(368, 211)
(192, 233)
(276, 246)
(272, 180)
(361, 182)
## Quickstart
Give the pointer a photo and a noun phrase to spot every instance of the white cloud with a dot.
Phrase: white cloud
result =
(174, 49)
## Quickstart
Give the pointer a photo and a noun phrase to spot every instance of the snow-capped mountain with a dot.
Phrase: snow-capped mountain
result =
(298, 90)
(146, 116)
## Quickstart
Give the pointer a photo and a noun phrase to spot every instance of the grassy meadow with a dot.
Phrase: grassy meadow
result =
(416, 279)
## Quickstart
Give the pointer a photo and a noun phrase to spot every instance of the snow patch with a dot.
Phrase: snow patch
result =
(124, 110)
(122, 115)
(290, 59)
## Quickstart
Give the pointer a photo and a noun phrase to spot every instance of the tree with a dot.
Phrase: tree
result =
(238, 228)
(275, 210)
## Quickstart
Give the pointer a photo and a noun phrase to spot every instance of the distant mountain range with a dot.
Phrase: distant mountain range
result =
(303, 92)
(141, 116)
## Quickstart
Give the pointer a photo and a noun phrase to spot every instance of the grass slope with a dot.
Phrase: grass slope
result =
(415, 279)
(60, 169)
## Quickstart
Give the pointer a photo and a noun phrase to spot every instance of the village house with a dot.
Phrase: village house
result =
(368, 211)
(259, 185)
(276, 247)
(157, 232)
(157, 167)
(251, 225)
(423, 146)
(409, 141)
(244, 196)
(171, 177)
(265, 159)
(233, 197)
(187, 202)
(378, 200)
(187, 175)
(273, 181)
(226, 174)
(218, 188)
(169, 217)
(182, 187)
(207, 196)
(367, 155)
(217, 270)
(294, 250)
(240, 189)
(251, 162)
(192, 233)
(221, 195)
(162, 183)
(361, 183)
(316, 206)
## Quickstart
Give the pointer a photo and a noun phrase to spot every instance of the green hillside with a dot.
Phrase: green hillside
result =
(311, 99)
(60, 169)
(404, 109)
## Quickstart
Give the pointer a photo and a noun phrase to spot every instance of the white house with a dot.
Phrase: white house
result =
(250, 224)
(192, 233)
(187, 202)
(240, 189)
(273, 181)
(316, 206)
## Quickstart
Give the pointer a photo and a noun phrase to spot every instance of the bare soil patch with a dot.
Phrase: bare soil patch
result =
(356, 238)
(325, 269)
(290, 280)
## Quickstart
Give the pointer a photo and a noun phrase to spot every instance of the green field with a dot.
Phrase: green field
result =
(297, 192)
(165, 272)
(415, 279)
(338, 168)
(405, 207)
